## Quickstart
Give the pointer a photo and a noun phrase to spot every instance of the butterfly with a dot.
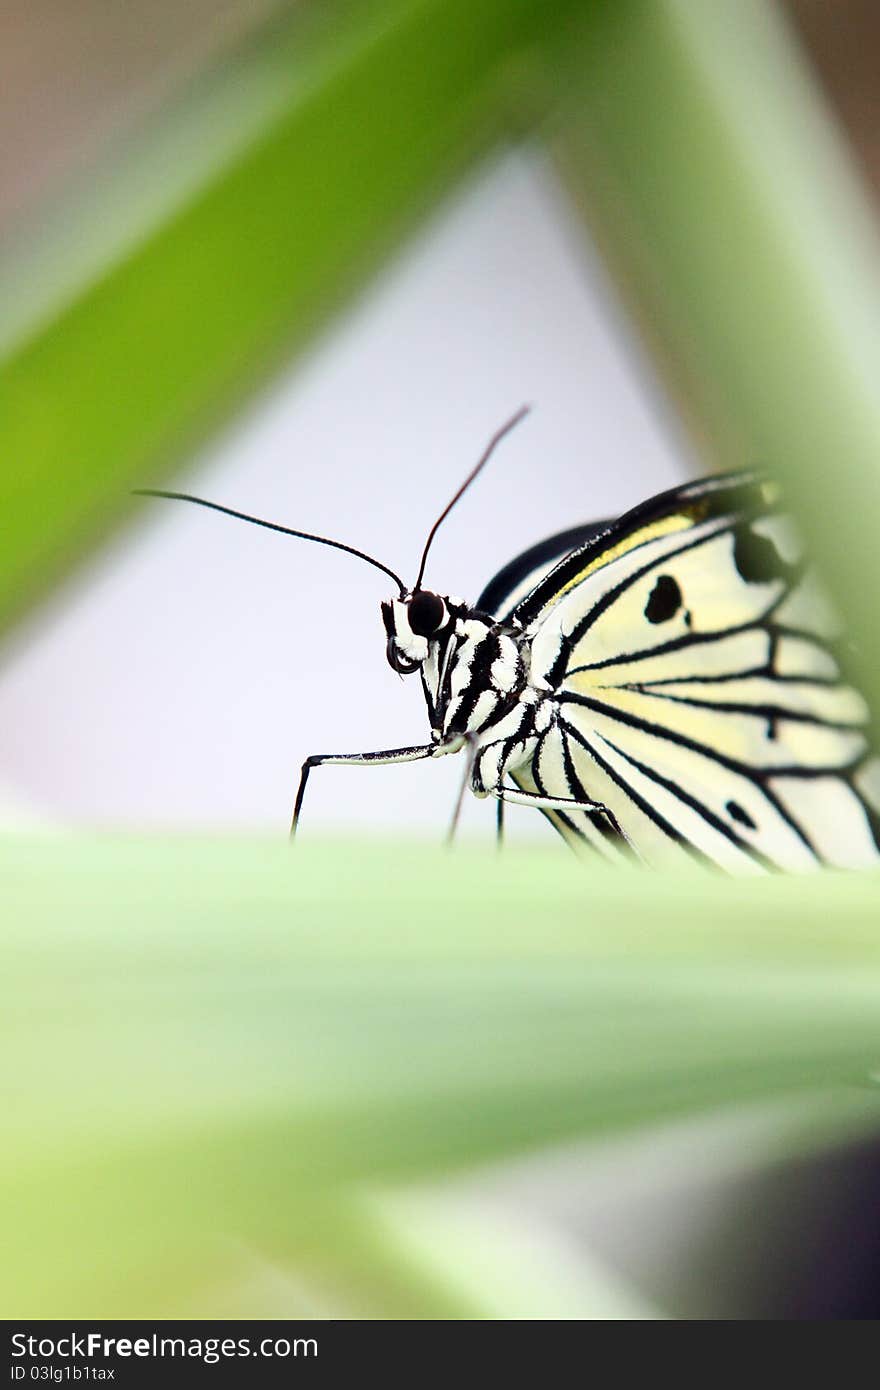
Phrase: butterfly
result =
(664, 685)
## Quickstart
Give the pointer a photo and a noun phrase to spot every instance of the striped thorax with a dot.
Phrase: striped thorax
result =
(474, 675)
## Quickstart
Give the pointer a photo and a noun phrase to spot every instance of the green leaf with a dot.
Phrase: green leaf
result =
(219, 1046)
(223, 239)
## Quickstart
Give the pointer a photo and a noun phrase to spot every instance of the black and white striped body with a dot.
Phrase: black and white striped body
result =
(476, 681)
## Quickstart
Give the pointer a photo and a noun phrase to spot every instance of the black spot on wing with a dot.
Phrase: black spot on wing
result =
(757, 557)
(664, 601)
(613, 594)
(737, 812)
(712, 499)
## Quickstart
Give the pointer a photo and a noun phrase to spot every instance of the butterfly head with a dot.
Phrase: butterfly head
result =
(471, 667)
(413, 623)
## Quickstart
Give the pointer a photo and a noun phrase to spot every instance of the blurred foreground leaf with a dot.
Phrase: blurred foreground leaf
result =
(212, 1048)
(221, 239)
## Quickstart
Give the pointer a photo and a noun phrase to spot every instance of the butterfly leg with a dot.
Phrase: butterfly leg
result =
(380, 759)
(559, 803)
(499, 821)
(459, 801)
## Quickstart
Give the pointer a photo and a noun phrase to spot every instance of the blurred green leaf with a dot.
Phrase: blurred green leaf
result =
(286, 177)
(220, 1045)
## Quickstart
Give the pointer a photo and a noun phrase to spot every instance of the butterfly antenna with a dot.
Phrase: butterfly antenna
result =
(272, 526)
(484, 459)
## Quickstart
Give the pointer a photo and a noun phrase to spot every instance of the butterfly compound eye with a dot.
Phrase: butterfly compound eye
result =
(426, 612)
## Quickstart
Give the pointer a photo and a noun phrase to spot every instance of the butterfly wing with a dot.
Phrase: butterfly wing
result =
(695, 662)
(518, 580)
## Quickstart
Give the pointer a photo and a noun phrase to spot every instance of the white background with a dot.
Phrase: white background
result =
(181, 679)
